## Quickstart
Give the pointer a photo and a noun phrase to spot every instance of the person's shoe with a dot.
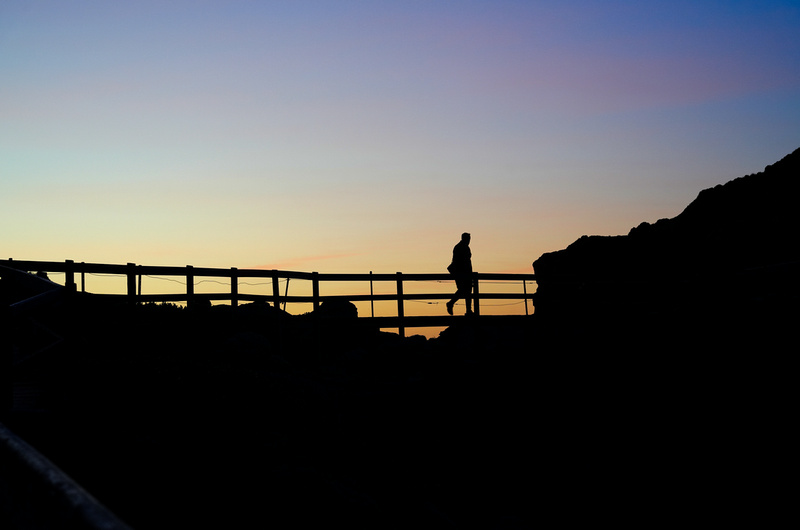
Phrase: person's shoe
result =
(450, 308)
(469, 312)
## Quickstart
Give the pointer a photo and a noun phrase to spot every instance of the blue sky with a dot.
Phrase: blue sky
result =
(348, 136)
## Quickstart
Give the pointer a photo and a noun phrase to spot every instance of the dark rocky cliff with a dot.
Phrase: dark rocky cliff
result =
(734, 249)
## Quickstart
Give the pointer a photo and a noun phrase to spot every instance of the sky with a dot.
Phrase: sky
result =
(357, 136)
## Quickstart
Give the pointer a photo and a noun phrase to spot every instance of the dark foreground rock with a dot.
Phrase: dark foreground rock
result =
(175, 418)
(239, 418)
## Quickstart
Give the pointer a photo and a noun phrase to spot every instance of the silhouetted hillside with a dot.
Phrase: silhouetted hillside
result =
(733, 249)
(683, 330)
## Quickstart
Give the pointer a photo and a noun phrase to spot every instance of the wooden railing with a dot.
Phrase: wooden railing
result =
(75, 279)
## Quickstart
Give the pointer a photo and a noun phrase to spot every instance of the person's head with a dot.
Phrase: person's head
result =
(465, 237)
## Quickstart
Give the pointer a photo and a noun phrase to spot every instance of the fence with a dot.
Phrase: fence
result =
(233, 277)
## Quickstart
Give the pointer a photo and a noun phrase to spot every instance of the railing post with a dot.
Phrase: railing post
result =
(371, 296)
(83, 277)
(525, 292)
(476, 295)
(131, 275)
(400, 313)
(276, 289)
(69, 273)
(234, 287)
(189, 285)
(315, 289)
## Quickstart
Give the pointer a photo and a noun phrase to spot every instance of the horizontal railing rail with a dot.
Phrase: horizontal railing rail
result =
(187, 275)
(35, 493)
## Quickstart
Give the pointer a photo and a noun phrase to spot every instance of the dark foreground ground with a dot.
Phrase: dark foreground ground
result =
(176, 418)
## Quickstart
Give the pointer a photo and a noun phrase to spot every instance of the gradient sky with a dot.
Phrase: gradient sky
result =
(349, 136)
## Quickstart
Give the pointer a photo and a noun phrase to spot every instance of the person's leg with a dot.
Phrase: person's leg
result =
(464, 290)
(458, 294)
(453, 301)
(466, 293)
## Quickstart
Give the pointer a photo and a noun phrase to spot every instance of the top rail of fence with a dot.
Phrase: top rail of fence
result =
(157, 270)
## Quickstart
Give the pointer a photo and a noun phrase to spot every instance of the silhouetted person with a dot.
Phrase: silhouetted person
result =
(461, 269)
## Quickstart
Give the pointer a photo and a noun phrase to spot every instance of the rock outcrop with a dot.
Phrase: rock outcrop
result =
(734, 246)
